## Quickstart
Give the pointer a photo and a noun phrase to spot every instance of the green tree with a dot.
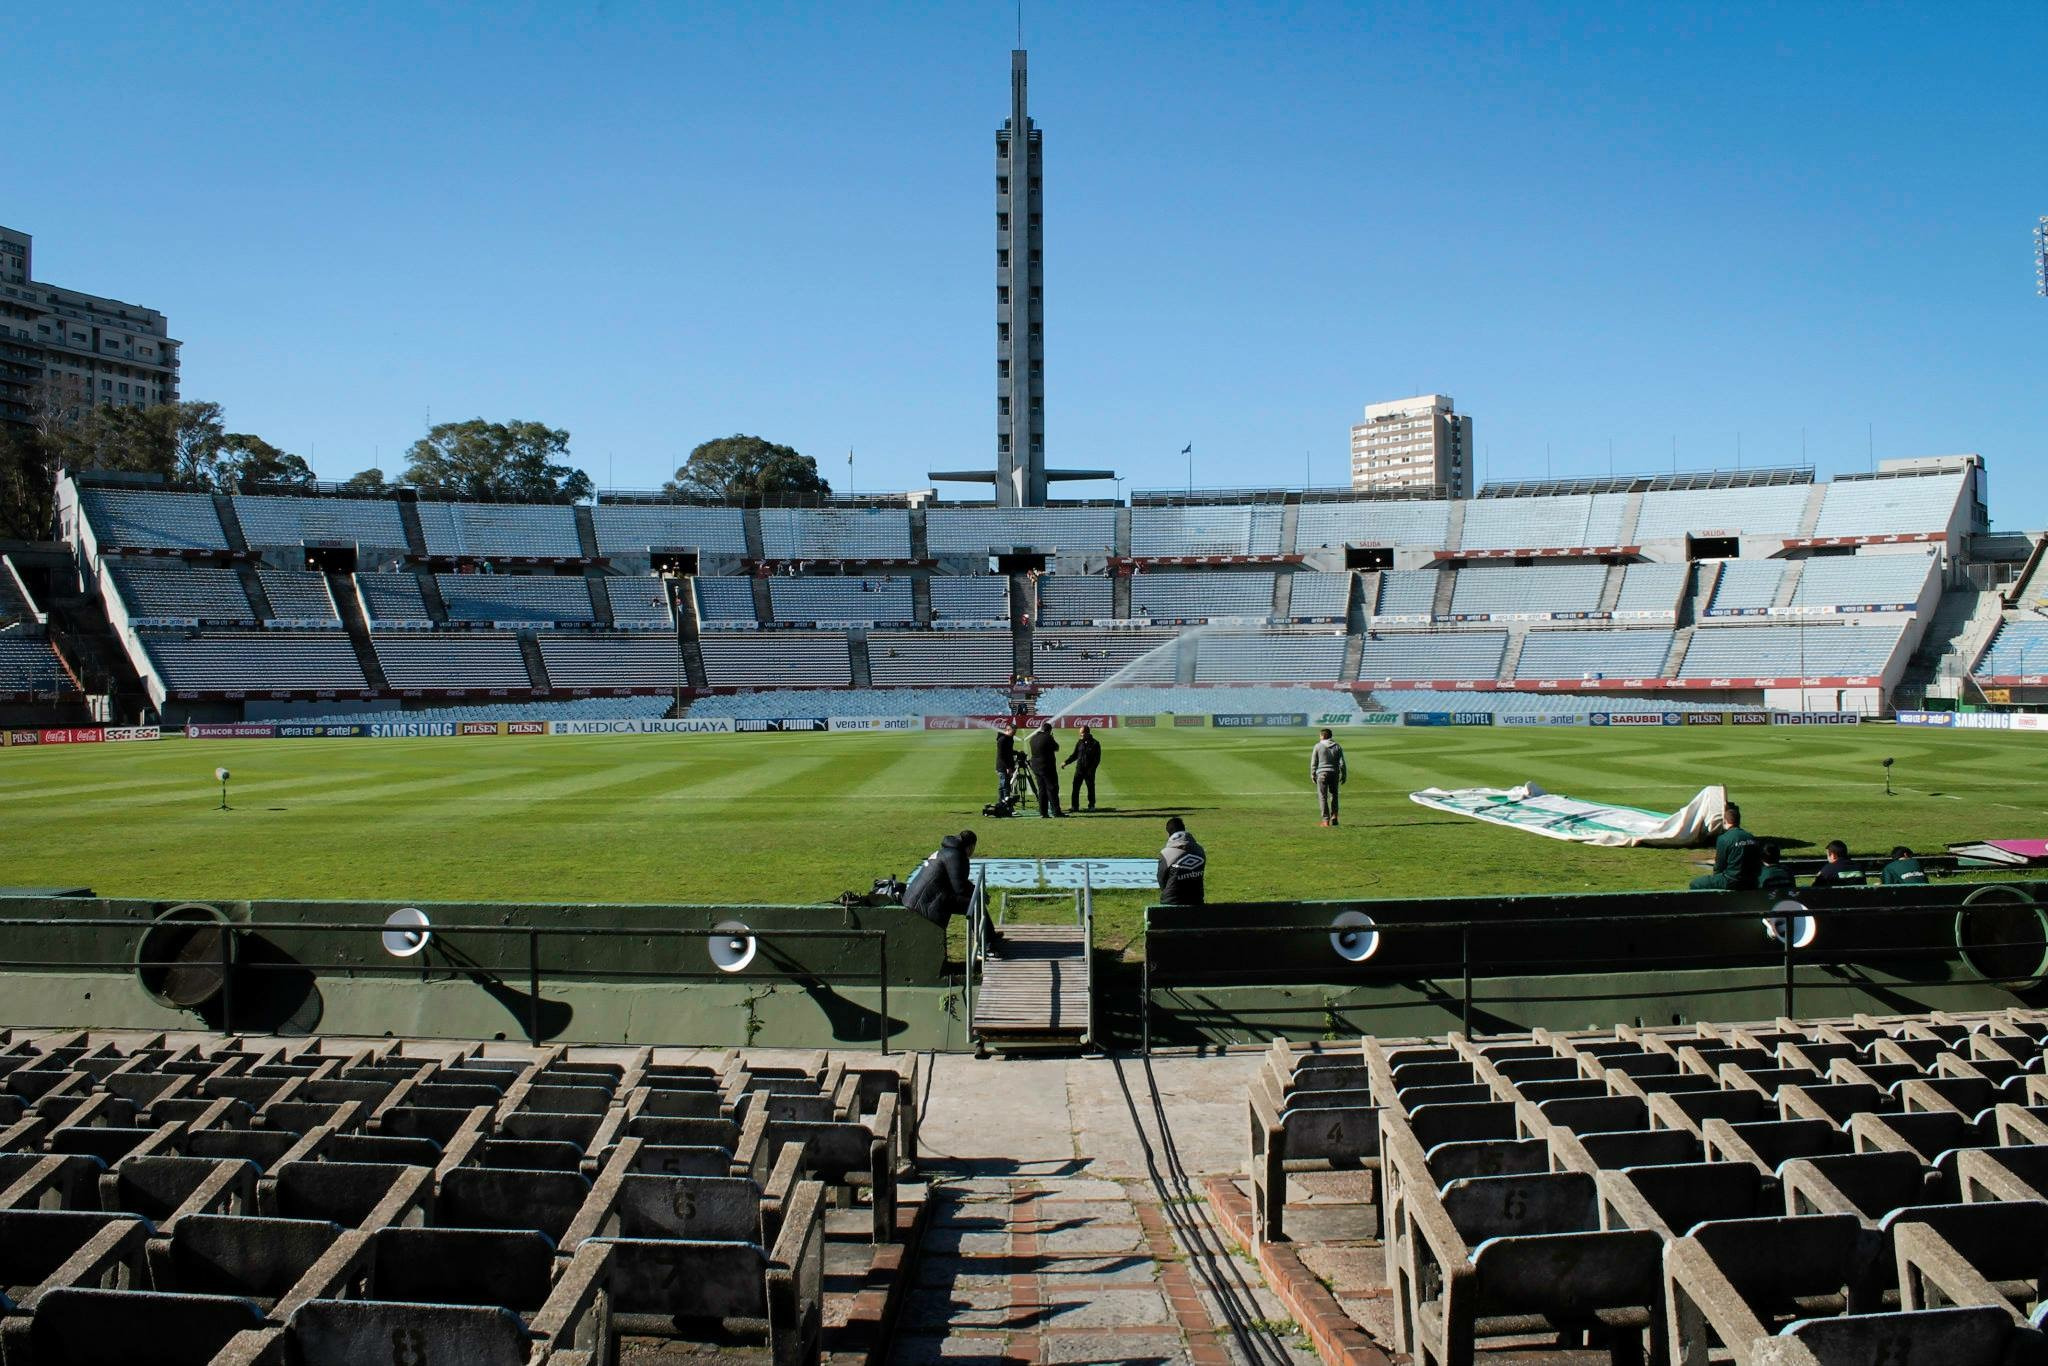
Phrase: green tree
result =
(28, 485)
(246, 459)
(482, 459)
(740, 467)
(370, 480)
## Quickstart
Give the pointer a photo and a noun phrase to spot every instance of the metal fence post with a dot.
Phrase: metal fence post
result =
(884, 976)
(1465, 964)
(533, 986)
(1786, 935)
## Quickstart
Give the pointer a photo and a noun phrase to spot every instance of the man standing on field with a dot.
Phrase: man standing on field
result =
(1327, 769)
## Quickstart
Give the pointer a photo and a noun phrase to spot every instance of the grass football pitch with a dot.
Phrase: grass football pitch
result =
(799, 818)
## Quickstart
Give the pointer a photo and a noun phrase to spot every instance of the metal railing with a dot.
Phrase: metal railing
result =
(1785, 958)
(229, 963)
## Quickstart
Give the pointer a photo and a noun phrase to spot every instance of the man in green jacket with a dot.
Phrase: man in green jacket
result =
(1737, 858)
(1904, 870)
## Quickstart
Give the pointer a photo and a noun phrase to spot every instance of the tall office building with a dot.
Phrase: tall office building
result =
(1413, 445)
(63, 347)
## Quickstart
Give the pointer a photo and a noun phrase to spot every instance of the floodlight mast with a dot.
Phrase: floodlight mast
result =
(2041, 257)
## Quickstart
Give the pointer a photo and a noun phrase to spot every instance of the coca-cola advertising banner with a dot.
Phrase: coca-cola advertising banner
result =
(1071, 722)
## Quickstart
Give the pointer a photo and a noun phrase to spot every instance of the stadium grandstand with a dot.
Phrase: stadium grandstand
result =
(1760, 588)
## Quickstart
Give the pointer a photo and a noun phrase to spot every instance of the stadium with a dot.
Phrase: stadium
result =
(635, 927)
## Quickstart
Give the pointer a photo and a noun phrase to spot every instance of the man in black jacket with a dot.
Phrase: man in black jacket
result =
(1045, 769)
(1181, 866)
(1006, 758)
(943, 885)
(1086, 755)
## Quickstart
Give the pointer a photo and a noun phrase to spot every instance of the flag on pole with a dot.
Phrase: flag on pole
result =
(1188, 449)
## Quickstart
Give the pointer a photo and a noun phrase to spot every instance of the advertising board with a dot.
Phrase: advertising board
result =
(1240, 720)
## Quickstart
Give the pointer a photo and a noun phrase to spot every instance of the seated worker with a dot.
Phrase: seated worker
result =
(1839, 871)
(1737, 858)
(1774, 877)
(1904, 870)
(943, 885)
(1181, 866)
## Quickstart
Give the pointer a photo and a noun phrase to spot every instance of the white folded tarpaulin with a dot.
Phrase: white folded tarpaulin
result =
(1530, 808)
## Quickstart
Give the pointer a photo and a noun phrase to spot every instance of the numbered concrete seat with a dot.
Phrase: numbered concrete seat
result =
(352, 1194)
(847, 1158)
(41, 1250)
(2012, 1173)
(78, 1327)
(1868, 1185)
(164, 1189)
(442, 1125)
(1671, 1200)
(111, 1143)
(676, 1103)
(562, 1098)
(381, 1149)
(511, 1268)
(1975, 1336)
(1771, 1143)
(580, 1130)
(1691, 1110)
(506, 1197)
(39, 1180)
(261, 1148)
(532, 1154)
(714, 1208)
(1314, 1127)
(1511, 1255)
(270, 1262)
(1734, 1283)
(666, 1159)
(1834, 1101)
(1623, 1148)
(1988, 1253)
(1924, 1133)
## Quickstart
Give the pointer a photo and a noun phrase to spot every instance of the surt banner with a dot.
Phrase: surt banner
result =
(1538, 812)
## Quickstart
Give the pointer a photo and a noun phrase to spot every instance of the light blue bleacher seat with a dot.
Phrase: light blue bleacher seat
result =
(725, 598)
(651, 708)
(1746, 586)
(1767, 510)
(925, 658)
(257, 662)
(1872, 580)
(1319, 595)
(978, 531)
(149, 520)
(296, 595)
(1779, 651)
(372, 524)
(634, 529)
(2019, 648)
(29, 665)
(201, 594)
(1446, 655)
(1395, 522)
(459, 661)
(509, 530)
(835, 533)
(862, 599)
(857, 702)
(1889, 505)
(1594, 654)
(612, 659)
(1528, 588)
(1651, 588)
(515, 597)
(638, 599)
(1281, 656)
(1170, 595)
(1224, 530)
(971, 597)
(1074, 597)
(1165, 699)
(1406, 593)
(392, 597)
(1579, 519)
(1536, 703)
(1083, 656)
(777, 659)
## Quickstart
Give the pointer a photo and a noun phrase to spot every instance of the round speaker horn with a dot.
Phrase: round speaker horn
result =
(1352, 937)
(1804, 927)
(407, 931)
(732, 946)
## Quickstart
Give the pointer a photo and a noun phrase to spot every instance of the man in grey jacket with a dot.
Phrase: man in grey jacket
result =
(1182, 865)
(1326, 768)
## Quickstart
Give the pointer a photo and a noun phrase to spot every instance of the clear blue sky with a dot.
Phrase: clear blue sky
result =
(653, 224)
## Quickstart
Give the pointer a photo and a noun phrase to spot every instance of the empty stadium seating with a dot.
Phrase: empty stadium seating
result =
(2019, 647)
(921, 658)
(858, 702)
(515, 597)
(1218, 530)
(835, 534)
(977, 531)
(1528, 589)
(780, 659)
(1079, 655)
(1862, 505)
(1402, 522)
(29, 665)
(502, 530)
(250, 661)
(1785, 651)
(1445, 655)
(1765, 510)
(392, 597)
(971, 597)
(638, 600)
(634, 529)
(1406, 593)
(1594, 654)
(451, 662)
(1169, 595)
(1322, 596)
(1651, 587)
(296, 595)
(1137, 699)
(13, 606)
(1074, 597)
(1289, 656)
(153, 520)
(841, 599)
(1817, 1191)
(1580, 519)
(724, 598)
(1878, 580)
(605, 659)
(374, 525)
(200, 594)
(1538, 703)
(648, 708)
(1746, 587)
